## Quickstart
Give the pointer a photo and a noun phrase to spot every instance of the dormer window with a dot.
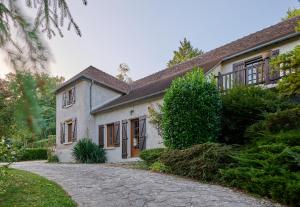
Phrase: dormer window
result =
(68, 97)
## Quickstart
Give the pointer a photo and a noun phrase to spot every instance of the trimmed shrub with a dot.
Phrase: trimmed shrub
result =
(191, 111)
(201, 162)
(269, 166)
(33, 154)
(85, 151)
(151, 156)
(244, 106)
(283, 120)
(158, 167)
(53, 158)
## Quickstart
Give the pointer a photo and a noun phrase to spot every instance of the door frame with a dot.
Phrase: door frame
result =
(135, 154)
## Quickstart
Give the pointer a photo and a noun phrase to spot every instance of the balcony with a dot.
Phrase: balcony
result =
(256, 74)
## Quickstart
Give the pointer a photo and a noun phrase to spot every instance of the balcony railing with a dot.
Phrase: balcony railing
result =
(256, 74)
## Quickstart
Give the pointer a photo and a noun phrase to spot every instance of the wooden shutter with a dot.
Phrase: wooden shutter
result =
(62, 132)
(117, 134)
(142, 131)
(74, 130)
(275, 73)
(101, 135)
(124, 139)
(239, 74)
(64, 99)
(73, 94)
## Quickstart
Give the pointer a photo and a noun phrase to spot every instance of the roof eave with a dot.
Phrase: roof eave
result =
(262, 46)
(88, 78)
(96, 111)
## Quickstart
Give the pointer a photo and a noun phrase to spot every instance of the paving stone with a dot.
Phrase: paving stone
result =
(111, 186)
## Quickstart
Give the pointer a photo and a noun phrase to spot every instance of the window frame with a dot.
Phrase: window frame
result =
(111, 143)
(251, 70)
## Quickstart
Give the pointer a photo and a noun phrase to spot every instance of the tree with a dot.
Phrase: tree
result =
(21, 41)
(291, 13)
(20, 38)
(185, 52)
(123, 73)
(17, 114)
(191, 111)
(289, 85)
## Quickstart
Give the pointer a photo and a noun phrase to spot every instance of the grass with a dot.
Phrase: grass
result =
(20, 188)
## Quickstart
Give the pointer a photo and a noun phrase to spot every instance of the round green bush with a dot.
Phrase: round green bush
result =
(244, 106)
(191, 111)
(85, 151)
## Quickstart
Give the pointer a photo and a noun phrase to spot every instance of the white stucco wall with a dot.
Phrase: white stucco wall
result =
(80, 110)
(153, 140)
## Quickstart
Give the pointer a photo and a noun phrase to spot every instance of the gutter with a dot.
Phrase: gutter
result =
(129, 101)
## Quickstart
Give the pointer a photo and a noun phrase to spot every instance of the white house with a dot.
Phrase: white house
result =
(114, 114)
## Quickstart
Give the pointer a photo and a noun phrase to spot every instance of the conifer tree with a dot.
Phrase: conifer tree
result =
(185, 52)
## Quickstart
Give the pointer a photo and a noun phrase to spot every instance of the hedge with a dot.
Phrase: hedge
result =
(33, 154)
(244, 106)
(191, 111)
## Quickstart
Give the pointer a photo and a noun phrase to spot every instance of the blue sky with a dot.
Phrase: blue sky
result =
(144, 33)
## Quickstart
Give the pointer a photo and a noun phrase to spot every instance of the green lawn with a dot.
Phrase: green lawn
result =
(20, 188)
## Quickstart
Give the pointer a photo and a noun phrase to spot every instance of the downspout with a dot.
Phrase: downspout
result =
(91, 87)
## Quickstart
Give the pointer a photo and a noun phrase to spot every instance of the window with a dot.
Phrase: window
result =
(70, 131)
(68, 97)
(254, 70)
(110, 135)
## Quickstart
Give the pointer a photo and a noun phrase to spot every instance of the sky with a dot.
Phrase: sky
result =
(144, 33)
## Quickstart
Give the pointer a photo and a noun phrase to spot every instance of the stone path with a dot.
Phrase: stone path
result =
(107, 186)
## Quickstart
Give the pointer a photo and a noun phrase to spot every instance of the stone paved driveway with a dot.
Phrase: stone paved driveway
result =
(103, 185)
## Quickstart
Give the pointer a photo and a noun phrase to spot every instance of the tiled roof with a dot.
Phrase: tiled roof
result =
(158, 82)
(100, 77)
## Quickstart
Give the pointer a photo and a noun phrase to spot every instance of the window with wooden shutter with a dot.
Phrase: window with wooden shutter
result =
(110, 135)
(117, 134)
(142, 132)
(73, 94)
(124, 139)
(238, 76)
(101, 135)
(64, 99)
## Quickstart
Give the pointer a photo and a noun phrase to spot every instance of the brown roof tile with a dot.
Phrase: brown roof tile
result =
(100, 77)
(158, 82)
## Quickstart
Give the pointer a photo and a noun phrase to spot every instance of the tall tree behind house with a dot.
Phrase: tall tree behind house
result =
(185, 52)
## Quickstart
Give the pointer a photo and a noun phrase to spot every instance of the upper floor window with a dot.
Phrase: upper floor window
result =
(254, 70)
(68, 97)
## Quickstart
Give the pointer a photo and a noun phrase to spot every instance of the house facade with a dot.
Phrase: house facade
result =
(95, 105)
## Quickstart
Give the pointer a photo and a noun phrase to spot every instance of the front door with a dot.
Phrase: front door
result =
(134, 137)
